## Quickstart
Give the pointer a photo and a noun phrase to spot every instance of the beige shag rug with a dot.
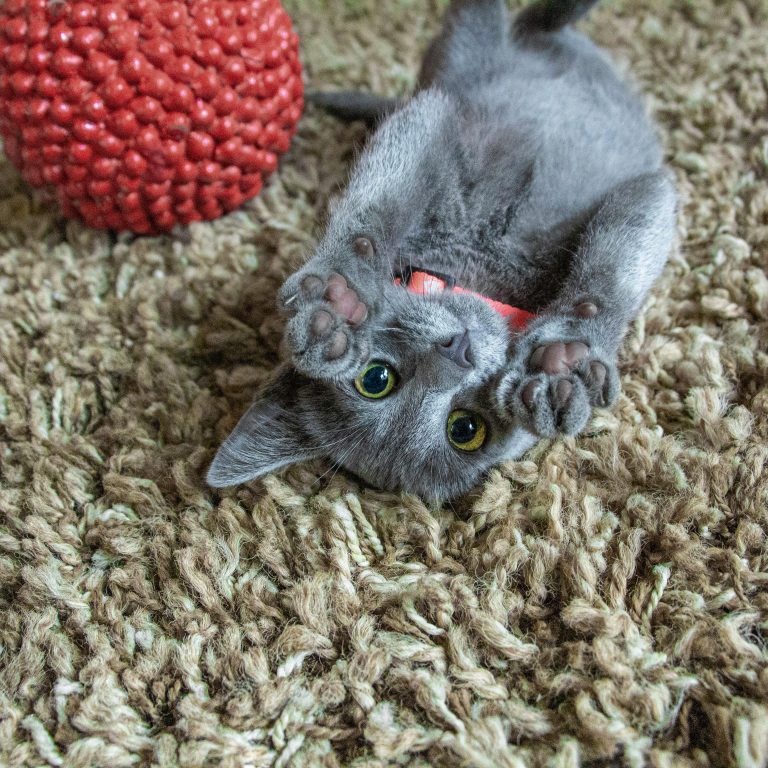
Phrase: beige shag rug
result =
(602, 602)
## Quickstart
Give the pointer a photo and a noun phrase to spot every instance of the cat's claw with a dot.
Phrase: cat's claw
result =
(324, 337)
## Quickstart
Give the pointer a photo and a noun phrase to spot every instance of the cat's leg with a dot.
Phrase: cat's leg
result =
(566, 361)
(472, 31)
(327, 335)
(408, 174)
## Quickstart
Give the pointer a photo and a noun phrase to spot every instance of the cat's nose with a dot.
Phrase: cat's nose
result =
(458, 350)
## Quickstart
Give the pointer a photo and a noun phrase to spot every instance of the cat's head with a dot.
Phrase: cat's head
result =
(421, 414)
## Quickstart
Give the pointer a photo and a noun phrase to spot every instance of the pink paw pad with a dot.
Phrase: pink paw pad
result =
(344, 300)
(558, 358)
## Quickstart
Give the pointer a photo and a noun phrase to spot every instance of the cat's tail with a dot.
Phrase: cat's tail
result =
(541, 16)
(355, 105)
(550, 15)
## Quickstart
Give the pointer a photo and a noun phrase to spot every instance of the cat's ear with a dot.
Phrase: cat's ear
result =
(269, 436)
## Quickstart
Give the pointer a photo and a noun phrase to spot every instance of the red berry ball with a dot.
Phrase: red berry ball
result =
(145, 114)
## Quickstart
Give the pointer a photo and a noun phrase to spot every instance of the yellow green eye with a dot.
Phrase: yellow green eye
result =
(376, 381)
(466, 431)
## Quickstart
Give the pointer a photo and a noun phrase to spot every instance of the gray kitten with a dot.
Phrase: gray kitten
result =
(524, 170)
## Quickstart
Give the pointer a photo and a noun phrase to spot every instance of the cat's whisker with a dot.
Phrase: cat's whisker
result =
(337, 465)
(340, 464)
(345, 435)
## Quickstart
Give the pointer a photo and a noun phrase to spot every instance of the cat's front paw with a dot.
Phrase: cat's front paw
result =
(553, 383)
(326, 337)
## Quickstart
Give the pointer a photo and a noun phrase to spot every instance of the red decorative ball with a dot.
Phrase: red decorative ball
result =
(144, 114)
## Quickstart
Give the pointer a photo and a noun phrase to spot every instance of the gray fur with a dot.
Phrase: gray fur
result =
(352, 105)
(526, 169)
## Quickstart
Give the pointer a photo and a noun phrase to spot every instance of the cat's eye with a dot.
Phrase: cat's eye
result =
(466, 430)
(376, 381)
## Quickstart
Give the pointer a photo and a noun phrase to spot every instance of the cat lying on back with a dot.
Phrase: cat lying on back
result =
(524, 170)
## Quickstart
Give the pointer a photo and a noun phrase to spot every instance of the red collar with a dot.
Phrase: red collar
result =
(417, 280)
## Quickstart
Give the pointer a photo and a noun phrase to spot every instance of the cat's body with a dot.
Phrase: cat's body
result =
(525, 169)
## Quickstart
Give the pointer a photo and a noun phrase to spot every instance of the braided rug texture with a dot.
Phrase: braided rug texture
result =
(602, 602)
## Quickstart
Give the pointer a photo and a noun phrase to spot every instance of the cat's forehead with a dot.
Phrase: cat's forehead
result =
(411, 446)
(401, 441)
